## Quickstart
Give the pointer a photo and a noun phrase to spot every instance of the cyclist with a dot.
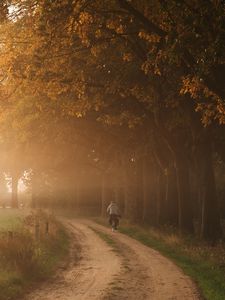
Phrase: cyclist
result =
(114, 215)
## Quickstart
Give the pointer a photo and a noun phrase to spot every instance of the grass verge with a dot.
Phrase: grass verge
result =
(114, 285)
(105, 237)
(27, 259)
(11, 219)
(205, 264)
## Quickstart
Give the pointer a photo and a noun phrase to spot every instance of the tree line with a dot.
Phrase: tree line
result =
(129, 94)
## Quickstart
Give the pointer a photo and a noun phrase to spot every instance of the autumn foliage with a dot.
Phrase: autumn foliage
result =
(130, 93)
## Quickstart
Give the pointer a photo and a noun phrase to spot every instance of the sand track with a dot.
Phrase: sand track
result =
(129, 271)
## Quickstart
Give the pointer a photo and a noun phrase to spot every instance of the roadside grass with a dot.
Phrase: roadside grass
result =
(11, 219)
(105, 237)
(25, 260)
(204, 263)
(114, 286)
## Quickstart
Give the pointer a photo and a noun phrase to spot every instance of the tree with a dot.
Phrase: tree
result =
(133, 69)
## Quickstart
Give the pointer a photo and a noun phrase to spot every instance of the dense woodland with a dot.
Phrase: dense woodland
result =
(117, 99)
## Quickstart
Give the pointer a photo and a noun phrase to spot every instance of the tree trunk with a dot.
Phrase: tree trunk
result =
(128, 194)
(171, 197)
(161, 197)
(146, 196)
(210, 217)
(139, 189)
(14, 201)
(150, 194)
(116, 189)
(34, 190)
(167, 191)
(103, 195)
(185, 207)
(77, 197)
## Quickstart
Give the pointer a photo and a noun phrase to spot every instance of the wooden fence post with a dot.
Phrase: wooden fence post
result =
(10, 235)
(37, 230)
(47, 227)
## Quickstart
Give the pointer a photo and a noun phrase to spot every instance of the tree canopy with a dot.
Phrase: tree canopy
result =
(133, 90)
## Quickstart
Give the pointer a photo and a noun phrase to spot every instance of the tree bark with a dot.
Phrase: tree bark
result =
(103, 195)
(185, 207)
(210, 217)
(171, 197)
(14, 200)
(139, 190)
(128, 193)
(178, 144)
(146, 196)
(77, 197)
(161, 197)
(34, 190)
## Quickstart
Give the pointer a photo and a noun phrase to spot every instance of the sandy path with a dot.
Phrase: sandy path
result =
(92, 268)
(132, 271)
(146, 274)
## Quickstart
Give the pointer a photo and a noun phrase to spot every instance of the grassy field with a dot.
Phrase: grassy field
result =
(25, 259)
(11, 219)
(204, 263)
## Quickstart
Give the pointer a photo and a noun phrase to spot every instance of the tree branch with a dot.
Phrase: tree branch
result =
(146, 22)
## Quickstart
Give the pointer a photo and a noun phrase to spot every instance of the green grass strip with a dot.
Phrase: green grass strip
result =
(209, 278)
(105, 237)
(11, 219)
(208, 275)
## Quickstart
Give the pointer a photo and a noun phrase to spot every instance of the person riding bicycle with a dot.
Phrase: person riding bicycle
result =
(114, 214)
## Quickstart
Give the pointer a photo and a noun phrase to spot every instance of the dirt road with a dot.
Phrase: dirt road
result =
(125, 270)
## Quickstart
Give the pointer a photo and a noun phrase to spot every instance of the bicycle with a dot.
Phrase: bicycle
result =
(114, 221)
